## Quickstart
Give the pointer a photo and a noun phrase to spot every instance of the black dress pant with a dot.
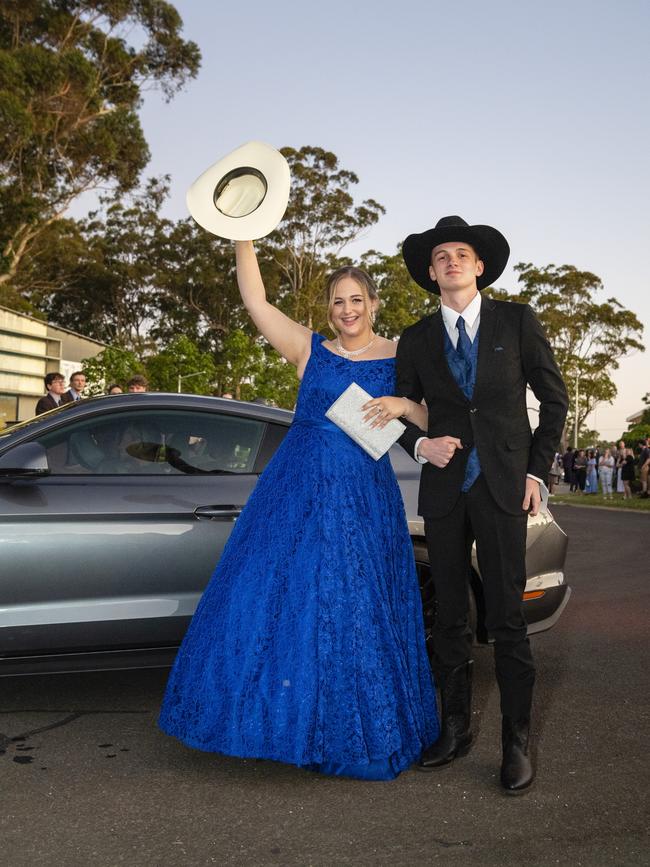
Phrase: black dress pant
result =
(501, 551)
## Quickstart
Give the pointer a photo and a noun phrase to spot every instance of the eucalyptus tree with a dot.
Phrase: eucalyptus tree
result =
(403, 302)
(72, 74)
(588, 336)
(320, 221)
(100, 278)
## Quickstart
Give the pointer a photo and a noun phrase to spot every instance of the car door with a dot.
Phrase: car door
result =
(113, 548)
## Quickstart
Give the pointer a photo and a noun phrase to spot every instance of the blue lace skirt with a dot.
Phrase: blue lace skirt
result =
(307, 646)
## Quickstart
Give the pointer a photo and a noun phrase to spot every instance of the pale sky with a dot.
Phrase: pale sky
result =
(532, 117)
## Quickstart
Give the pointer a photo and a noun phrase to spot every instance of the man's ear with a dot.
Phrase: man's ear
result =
(480, 267)
(432, 273)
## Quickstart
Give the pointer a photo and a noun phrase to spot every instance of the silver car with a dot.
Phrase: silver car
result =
(115, 510)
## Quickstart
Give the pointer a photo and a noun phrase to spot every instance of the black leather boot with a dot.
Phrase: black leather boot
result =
(516, 769)
(455, 736)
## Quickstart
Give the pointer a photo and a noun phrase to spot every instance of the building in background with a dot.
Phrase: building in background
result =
(636, 417)
(30, 348)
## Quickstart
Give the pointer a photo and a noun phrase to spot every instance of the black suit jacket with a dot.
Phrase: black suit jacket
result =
(513, 352)
(45, 403)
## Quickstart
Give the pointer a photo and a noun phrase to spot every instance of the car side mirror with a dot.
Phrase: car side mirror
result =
(27, 460)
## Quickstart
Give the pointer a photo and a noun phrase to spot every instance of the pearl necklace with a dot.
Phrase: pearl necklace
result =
(352, 353)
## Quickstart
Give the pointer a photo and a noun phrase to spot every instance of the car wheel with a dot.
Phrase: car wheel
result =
(428, 594)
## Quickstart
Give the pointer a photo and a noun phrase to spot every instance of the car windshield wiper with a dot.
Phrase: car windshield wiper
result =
(159, 454)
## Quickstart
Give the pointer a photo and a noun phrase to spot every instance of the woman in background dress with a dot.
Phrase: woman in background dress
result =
(605, 473)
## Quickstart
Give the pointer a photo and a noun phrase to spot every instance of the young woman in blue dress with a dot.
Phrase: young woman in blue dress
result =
(307, 646)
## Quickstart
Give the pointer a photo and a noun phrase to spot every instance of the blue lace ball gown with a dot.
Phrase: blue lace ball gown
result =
(307, 646)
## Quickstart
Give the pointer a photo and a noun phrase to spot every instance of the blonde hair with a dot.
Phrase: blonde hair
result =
(364, 280)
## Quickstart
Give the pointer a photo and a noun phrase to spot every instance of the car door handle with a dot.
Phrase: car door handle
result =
(218, 511)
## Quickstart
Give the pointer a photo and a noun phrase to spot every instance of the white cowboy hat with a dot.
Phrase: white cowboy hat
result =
(243, 196)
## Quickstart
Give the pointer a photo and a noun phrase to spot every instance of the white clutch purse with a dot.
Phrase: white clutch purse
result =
(346, 412)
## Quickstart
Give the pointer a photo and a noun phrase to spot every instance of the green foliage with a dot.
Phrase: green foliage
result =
(320, 221)
(182, 357)
(97, 276)
(632, 435)
(249, 369)
(197, 290)
(112, 365)
(70, 89)
(403, 302)
(241, 360)
(277, 381)
(588, 439)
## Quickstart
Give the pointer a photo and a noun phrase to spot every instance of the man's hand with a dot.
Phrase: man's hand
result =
(439, 450)
(532, 497)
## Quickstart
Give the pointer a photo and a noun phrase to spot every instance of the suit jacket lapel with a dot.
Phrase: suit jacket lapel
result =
(487, 334)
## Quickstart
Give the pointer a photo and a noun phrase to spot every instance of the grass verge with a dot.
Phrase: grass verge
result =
(617, 502)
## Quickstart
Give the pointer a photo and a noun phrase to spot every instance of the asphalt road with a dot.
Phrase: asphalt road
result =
(88, 779)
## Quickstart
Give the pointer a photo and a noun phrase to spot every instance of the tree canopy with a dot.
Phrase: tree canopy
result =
(588, 336)
(72, 74)
(320, 221)
(163, 293)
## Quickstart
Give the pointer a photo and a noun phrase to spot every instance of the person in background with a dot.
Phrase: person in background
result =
(580, 471)
(628, 475)
(77, 385)
(591, 485)
(137, 383)
(567, 464)
(606, 466)
(555, 473)
(644, 467)
(227, 395)
(621, 454)
(56, 393)
(114, 389)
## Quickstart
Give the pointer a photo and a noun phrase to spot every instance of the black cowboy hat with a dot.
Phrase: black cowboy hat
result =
(490, 245)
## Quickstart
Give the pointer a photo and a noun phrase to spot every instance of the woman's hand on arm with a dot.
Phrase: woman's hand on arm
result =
(381, 410)
(289, 338)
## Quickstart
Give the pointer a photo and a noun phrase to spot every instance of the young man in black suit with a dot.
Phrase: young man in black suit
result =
(471, 362)
(56, 394)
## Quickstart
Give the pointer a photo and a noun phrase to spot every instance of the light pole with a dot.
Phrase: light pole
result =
(187, 376)
(575, 421)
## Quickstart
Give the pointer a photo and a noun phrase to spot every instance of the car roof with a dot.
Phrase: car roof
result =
(89, 407)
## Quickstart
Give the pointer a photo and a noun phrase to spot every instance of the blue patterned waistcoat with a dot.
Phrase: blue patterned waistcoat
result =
(465, 376)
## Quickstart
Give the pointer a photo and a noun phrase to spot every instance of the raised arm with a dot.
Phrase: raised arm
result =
(292, 340)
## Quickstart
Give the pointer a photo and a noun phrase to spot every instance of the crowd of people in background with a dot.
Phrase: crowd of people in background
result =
(56, 392)
(616, 469)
